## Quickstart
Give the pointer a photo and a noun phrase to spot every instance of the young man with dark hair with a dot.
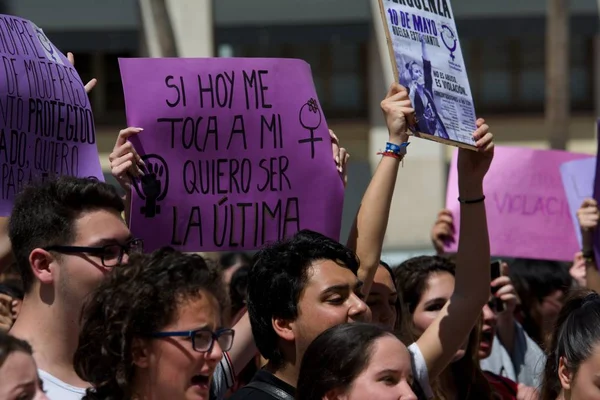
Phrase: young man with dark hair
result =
(297, 289)
(66, 234)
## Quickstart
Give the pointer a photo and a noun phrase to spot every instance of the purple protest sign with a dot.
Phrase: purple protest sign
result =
(527, 209)
(578, 182)
(237, 150)
(597, 193)
(46, 122)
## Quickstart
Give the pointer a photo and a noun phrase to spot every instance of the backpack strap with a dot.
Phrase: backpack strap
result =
(270, 389)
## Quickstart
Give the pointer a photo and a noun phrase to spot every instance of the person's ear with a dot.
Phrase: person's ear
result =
(284, 329)
(140, 353)
(42, 265)
(564, 375)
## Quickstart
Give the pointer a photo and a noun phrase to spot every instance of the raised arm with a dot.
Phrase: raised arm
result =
(368, 231)
(454, 323)
(588, 216)
(125, 162)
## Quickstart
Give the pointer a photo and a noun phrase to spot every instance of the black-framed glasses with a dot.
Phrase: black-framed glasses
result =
(110, 254)
(203, 340)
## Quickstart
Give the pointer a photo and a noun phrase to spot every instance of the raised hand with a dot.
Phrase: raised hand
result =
(443, 231)
(6, 319)
(506, 292)
(399, 113)
(88, 86)
(124, 159)
(473, 165)
(578, 270)
(588, 215)
(340, 156)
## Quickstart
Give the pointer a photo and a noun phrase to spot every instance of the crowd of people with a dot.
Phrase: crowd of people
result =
(85, 313)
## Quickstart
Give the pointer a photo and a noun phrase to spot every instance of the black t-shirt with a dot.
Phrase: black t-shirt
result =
(249, 393)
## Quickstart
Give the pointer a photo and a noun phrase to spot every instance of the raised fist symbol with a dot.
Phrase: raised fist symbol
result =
(153, 185)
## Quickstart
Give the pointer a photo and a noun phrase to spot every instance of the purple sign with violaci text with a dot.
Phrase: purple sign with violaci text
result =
(578, 182)
(46, 122)
(237, 153)
(527, 209)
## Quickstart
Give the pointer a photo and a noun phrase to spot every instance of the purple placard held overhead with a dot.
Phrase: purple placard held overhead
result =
(527, 209)
(238, 153)
(578, 181)
(46, 122)
(597, 193)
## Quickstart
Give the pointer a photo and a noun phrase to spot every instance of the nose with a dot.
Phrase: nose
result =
(489, 317)
(125, 258)
(216, 353)
(386, 315)
(406, 392)
(359, 311)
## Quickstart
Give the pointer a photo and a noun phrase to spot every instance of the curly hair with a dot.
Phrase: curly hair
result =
(278, 278)
(44, 215)
(139, 298)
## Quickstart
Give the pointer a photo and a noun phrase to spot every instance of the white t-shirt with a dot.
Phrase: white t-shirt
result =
(420, 370)
(223, 380)
(58, 390)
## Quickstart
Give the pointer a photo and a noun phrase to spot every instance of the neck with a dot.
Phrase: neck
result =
(52, 331)
(287, 373)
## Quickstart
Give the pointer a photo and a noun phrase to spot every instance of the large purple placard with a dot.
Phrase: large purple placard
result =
(527, 209)
(46, 122)
(237, 153)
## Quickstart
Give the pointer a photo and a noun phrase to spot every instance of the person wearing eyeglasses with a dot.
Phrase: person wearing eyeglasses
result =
(153, 330)
(66, 235)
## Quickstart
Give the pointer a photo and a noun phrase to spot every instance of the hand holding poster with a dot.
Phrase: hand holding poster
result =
(237, 153)
(46, 122)
(427, 59)
(527, 209)
(578, 182)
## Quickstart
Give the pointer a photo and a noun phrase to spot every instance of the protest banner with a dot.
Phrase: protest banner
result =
(527, 209)
(427, 59)
(596, 193)
(238, 153)
(46, 122)
(578, 182)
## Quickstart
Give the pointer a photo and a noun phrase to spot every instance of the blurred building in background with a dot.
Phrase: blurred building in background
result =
(503, 44)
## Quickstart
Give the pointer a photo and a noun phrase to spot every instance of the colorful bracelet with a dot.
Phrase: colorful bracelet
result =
(396, 149)
(474, 201)
(390, 154)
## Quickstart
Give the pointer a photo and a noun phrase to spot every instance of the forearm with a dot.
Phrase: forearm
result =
(6, 255)
(127, 203)
(473, 258)
(371, 221)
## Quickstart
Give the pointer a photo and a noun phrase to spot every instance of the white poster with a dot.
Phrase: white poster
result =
(428, 61)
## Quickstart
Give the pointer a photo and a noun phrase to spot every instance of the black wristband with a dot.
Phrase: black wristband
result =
(473, 201)
(589, 254)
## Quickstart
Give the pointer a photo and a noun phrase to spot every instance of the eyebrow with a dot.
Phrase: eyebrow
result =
(109, 241)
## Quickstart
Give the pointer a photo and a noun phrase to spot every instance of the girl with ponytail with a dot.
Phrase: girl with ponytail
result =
(573, 357)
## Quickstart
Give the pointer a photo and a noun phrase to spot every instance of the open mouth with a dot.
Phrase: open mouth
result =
(487, 336)
(201, 381)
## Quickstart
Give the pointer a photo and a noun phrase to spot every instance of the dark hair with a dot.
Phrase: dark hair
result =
(44, 214)
(575, 336)
(13, 289)
(135, 300)
(411, 277)
(10, 344)
(238, 289)
(278, 278)
(533, 280)
(230, 259)
(336, 357)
